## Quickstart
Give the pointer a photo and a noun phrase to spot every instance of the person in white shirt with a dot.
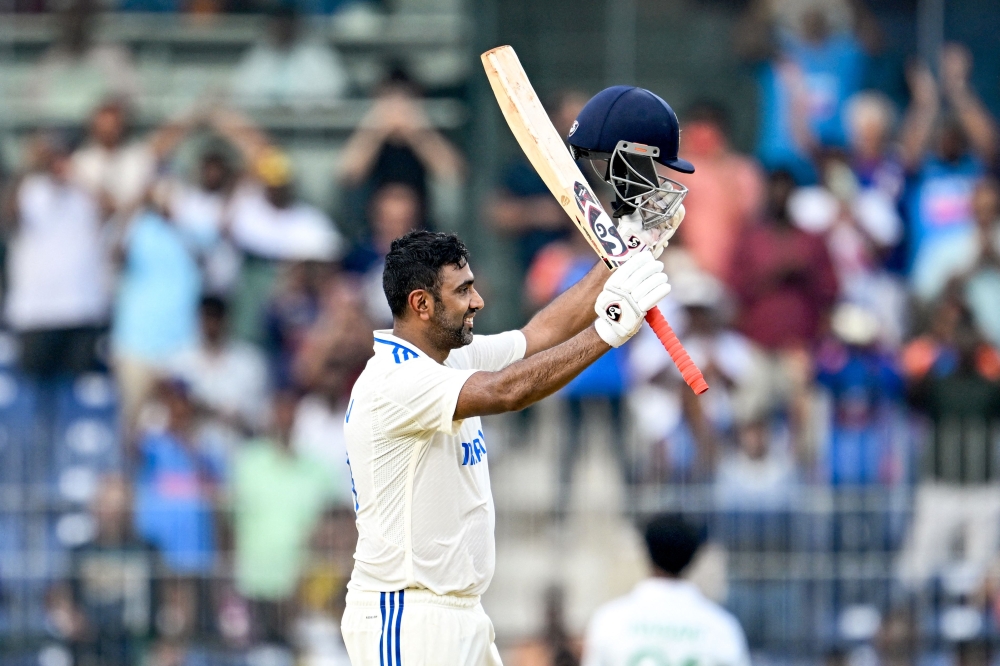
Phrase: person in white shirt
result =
(665, 620)
(417, 452)
(58, 272)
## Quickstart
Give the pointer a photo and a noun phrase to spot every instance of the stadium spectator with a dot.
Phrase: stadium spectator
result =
(870, 119)
(176, 487)
(268, 223)
(982, 282)
(665, 617)
(76, 72)
(155, 315)
(785, 285)
(725, 192)
(228, 378)
(278, 500)
(866, 394)
(394, 209)
(199, 211)
(761, 474)
(812, 57)
(958, 497)
(293, 309)
(396, 143)
(289, 69)
(106, 609)
(523, 208)
(58, 275)
(946, 156)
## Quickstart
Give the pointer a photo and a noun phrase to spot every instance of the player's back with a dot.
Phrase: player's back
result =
(664, 621)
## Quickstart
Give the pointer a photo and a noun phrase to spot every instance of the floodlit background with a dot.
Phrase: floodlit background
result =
(197, 196)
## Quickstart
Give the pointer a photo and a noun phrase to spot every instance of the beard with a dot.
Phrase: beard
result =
(451, 332)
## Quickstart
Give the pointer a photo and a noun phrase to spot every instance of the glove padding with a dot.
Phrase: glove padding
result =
(634, 288)
(656, 238)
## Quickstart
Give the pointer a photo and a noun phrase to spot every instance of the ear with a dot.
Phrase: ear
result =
(421, 303)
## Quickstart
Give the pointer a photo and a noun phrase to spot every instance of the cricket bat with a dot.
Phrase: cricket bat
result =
(551, 159)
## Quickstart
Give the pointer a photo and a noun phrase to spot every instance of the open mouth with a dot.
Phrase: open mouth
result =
(468, 321)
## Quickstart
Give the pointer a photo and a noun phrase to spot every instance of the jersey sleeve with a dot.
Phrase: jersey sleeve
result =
(489, 352)
(424, 396)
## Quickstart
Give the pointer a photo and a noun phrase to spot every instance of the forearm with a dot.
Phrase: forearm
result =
(359, 155)
(526, 382)
(437, 154)
(976, 122)
(571, 312)
(917, 128)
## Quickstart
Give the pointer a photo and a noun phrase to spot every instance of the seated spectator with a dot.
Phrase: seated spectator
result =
(58, 291)
(665, 615)
(395, 143)
(760, 475)
(394, 210)
(228, 378)
(866, 392)
(523, 208)
(76, 73)
(278, 500)
(286, 69)
(106, 610)
(156, 307)
(812, 59)
(176, 487)
(939, 203)
(982, 282)
(726, 192)
(785, 285)
(294, 308)
(958, 497)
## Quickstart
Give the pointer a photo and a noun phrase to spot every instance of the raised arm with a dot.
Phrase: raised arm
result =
(920, 116)
(956, 63)
(571, 312)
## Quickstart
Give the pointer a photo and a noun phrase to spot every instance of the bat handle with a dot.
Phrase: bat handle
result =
(689, 371)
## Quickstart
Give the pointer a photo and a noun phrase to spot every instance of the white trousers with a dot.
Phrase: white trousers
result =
(417, 628)
(945, 515)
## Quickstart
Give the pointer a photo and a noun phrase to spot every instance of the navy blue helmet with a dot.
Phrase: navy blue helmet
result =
(627, 113)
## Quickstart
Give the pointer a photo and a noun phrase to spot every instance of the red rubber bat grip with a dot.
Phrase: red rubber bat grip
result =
(689, 371)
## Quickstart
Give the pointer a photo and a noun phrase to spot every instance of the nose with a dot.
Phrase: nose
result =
(477, 302)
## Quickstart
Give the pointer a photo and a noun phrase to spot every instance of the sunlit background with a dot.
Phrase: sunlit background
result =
(197, 196)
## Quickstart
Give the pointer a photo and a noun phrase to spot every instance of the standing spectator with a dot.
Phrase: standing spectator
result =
(394, 210)
(268, 223)
(396, 143)
(117, 171)
(958, 497)
(228, 378)
(866, 394)
(76, 73)
(870, 118)
(665, 619)
(108, 607)
(278, 500)
(286, 69)
(726, 192)
(176, 487)
(785, 285)
(942, 230)
(812, 57)
(156, 306)
(57, 271)
(760, 475)
(523, 207)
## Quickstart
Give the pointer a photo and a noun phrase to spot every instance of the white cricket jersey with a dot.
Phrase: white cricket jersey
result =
(663, 622)
(421, 483)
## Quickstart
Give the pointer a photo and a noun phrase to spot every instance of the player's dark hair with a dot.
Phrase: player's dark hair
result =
(415, 261)
(672, 543)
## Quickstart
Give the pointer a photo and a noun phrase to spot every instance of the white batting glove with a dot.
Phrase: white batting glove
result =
(656, 238)
(634, 288)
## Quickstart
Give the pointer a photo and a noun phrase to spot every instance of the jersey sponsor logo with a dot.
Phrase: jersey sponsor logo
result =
(400, 353)
(474, 451)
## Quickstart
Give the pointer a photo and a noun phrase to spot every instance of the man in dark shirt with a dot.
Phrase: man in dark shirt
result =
(958, 496)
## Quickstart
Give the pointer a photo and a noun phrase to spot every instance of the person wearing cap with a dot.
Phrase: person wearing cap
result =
(665, 619)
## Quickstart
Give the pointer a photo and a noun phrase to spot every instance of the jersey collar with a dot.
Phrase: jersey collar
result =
(401, 351)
